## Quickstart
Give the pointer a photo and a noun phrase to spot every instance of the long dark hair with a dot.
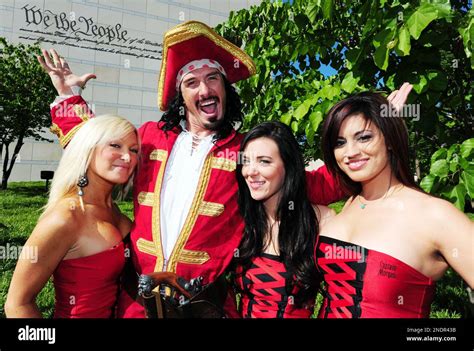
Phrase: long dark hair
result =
(233, 112)
(298, 223)
(393, 129)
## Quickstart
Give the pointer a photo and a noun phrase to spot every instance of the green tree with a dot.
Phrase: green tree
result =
(372, 45)
(25, 93)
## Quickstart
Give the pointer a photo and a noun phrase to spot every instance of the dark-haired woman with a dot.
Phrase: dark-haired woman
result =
(275, 272)
(381, 256)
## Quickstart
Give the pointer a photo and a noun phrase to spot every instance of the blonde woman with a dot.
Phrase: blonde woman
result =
(79, 236)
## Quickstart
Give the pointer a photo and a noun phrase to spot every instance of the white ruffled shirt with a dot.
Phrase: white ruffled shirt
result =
(179, 185)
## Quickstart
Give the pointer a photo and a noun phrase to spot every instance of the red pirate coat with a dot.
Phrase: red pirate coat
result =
(213, 228)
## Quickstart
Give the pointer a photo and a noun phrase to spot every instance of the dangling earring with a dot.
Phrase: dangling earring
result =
(83, 182)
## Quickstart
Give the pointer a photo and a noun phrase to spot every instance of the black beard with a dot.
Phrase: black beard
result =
(215, 125)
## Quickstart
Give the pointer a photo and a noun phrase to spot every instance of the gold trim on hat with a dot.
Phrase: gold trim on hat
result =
(193, 29)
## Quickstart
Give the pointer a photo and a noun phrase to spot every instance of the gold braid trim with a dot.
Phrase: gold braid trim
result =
(80, 111)
(158, 155)
(145, 198)
(193, 257)
(56, 130)
(65, 139)
(155, 216)
(211, 209)
(223, 164)
(154, 247)
(146, 246)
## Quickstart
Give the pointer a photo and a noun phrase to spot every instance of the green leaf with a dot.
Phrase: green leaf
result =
(437, 80)
(467, 177)
(381, 42)
(439, 154)
(453, 149)
(454, 164)
(294, 127)
(443, 8)
(456, 195)
(327, 6)
(352, 56)
(465, 164)
(390, 82)
(420, 85)
(420, 19)
(381, 57)
(467, 35)
(404, 40)
(312, 11)
(329, 92)
(315, 119)
(303, 109)
(439, 168)
(428, 182)
(309, 131)
(466, 147)
(349, 83)
(286, 118)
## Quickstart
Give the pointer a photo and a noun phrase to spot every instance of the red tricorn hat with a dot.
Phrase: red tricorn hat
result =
(192, 41)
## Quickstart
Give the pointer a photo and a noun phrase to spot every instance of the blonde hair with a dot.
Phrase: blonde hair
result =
(78, 154)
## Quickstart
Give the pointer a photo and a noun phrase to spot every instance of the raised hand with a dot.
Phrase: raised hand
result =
(61, 75)
(398, 97)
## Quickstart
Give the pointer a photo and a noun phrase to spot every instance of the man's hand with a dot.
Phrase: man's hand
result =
(398, 97)
(61, 75)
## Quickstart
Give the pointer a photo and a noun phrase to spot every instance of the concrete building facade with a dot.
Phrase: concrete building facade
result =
(118, 40)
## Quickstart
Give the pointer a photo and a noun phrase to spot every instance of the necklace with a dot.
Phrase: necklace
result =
(363, 205)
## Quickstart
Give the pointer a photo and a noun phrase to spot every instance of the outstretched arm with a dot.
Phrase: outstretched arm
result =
(68, 104)
(322, 187)
(454, 238)
(61, 75)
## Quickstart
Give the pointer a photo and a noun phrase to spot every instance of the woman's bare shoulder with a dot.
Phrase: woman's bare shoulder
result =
(323, 213)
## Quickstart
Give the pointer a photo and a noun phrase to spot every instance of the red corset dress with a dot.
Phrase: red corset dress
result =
(363, 283)
(263, 290)
(87, 287)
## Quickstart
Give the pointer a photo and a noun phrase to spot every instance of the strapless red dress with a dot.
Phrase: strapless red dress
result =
(363, 283)
(87, 287)
(263, 291)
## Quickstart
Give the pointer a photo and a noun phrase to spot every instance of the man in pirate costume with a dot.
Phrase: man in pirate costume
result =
(185, 191)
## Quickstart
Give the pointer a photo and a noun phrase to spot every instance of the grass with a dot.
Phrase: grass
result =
(20, 207)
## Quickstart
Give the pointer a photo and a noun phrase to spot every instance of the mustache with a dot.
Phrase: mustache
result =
(213, 98)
